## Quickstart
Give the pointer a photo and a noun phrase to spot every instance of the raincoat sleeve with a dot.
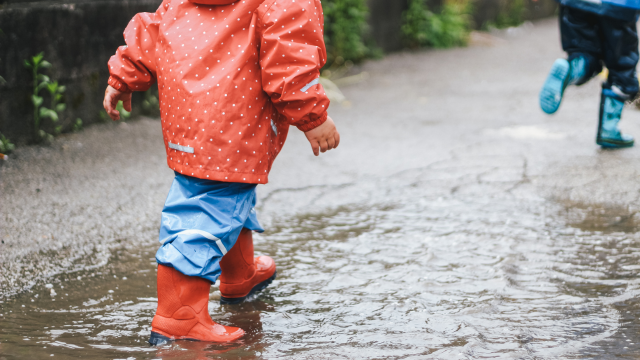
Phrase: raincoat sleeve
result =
(133, 67)
(292, 52)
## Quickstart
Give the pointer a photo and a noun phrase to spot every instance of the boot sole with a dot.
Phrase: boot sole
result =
(157, 339)
(614, 144)
(261, 286)
(553, 89)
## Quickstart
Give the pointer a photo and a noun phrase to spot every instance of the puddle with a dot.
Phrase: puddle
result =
(525, 132)
(394, 269)
(606, 220)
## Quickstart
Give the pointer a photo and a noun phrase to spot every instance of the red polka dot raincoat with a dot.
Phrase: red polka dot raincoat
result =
(232, 78)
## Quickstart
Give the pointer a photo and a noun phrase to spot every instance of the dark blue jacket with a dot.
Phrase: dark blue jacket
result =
(626, 10)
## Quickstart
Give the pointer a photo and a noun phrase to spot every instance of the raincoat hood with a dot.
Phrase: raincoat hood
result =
(212, 2)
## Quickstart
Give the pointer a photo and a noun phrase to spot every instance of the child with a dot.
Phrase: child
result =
(593, 33)
(232, 75)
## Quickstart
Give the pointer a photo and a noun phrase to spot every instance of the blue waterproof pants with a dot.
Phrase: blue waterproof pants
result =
(201, 221)
(601, 39)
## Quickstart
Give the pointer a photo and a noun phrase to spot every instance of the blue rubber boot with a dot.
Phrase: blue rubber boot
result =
(609, 135)
(562, 74)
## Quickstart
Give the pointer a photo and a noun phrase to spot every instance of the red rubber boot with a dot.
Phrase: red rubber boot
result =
(242, 275)
(183, 311)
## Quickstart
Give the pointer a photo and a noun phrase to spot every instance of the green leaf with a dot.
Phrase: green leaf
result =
(48, 113)
(28, 65)
(77, 126)
(104, 116)
(61, 107)
(36, 100)
(57, 129)
(62, 89)
(124, 113)
(44, 78)
(45, 64)
(36, 60)
(52, 87)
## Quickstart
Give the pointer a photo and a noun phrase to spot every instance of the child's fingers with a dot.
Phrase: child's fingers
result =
(106, 103)
(331, 143)
(336, 136)
(324, 146)
(109, 106)
(314, 147)
(127, 103)
(114, 114)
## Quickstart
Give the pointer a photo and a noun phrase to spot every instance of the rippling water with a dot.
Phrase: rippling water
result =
(406, 267)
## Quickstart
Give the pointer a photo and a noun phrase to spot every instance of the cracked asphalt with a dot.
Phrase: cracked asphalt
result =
(469, 115)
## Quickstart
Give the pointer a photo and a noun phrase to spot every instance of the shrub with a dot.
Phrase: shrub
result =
(6, 147)
(77, 125)
(345, 30)
(421, 27)
(150, 103)
(512, 13)
(56, 94)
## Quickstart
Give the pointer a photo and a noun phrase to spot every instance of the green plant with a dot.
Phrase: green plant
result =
(104, 116)
(345, 31)
(124, 114)
(6, 146)
(512, 13)
(150, 104)
(449, 28)
(56, 93)
(77, 126)
(58, 106)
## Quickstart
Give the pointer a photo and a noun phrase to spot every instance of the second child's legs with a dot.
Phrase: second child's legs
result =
(620, 55)
(591, 40)
(581, 39)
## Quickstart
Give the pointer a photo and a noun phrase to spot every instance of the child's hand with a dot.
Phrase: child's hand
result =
(325, 137)
(111, 98)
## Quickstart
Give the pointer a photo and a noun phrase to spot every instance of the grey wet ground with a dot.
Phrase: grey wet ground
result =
(456, 220)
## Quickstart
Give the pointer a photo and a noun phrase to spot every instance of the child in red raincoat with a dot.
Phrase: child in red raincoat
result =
(232, 75)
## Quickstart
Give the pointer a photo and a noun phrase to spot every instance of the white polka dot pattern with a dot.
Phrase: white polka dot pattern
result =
(231, 80)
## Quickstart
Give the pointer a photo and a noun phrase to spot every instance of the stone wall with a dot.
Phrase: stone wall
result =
(79, 36)
(385, 19)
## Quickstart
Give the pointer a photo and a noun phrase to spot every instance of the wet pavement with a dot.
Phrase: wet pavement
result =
(455, 221)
